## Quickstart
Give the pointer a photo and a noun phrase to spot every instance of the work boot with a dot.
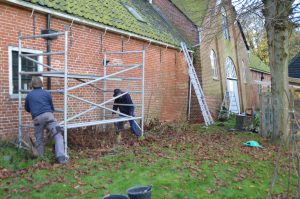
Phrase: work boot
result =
(119, 138)
(62, 160)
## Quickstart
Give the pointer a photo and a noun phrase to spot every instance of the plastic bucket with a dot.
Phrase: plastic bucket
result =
(115, 197)
(141, 192)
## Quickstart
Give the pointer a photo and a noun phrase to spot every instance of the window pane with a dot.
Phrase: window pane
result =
(225, 23)
(27, 65)
(213, 60)
(244, 72)
(230, 69)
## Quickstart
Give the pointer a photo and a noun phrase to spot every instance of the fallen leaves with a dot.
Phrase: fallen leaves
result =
(185, 154)
(38, 186)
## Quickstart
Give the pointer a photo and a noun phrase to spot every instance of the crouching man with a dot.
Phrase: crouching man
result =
(128, 110)
(39, 103)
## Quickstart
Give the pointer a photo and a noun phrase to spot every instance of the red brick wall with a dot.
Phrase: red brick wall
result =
(179, 20)
(166, 79)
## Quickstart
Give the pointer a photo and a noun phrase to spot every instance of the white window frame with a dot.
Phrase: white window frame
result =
(230, 69)
(214, 65)
(10, 61)
(200, 30)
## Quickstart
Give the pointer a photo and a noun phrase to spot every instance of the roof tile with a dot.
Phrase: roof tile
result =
(113, 13)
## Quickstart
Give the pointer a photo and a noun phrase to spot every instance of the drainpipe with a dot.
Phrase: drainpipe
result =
(189, 94)
(189, 100)
(48, 50)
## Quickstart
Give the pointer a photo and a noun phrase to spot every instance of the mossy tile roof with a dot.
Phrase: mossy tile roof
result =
(257, 64)
(114, 14)
(195, 10)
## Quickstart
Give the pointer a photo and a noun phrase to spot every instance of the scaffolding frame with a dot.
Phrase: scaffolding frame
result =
(85, 80)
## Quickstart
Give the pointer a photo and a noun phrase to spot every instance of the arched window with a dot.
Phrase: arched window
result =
(225, 23)
(232, 89)
(230, 69)
(244, 72)
(213, 61)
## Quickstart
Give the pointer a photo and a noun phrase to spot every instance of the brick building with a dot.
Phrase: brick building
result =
(222, 55)
(156, 26)
(95, 27)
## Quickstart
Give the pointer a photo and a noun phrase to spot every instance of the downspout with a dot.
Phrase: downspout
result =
(189, 99)
(189, 92)
(48, 50)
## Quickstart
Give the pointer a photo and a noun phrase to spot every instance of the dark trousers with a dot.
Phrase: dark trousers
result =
(120, 126)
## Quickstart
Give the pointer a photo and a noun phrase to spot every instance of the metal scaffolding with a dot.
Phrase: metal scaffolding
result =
(111, 73)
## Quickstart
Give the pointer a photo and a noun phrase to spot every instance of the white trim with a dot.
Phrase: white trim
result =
(230, 69)
(79, 20)
(10, 73)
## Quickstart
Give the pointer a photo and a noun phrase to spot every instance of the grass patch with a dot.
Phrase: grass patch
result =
(192, 162)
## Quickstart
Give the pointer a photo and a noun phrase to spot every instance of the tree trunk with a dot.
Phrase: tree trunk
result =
(278, 28)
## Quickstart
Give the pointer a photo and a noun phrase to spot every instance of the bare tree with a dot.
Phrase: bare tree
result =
(278, 29)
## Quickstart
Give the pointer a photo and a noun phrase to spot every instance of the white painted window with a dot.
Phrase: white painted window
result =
(230, 69)
(27, 65)
(213, 61)
(225, 24)
(244, 72)
(200, 30)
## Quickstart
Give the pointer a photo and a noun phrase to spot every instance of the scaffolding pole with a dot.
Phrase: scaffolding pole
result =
(66, 122)
(19, 92)
(66, 93)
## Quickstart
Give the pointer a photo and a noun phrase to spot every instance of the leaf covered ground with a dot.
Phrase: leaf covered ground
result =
(178, 160)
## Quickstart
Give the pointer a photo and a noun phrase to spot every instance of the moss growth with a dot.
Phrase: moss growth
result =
(114, 14)
(257, 64)
(194, 9)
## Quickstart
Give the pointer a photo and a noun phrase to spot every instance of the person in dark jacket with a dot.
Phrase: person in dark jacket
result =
(128, 110)
(38, 102)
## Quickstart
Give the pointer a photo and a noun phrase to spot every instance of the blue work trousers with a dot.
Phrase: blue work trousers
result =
(120, 126)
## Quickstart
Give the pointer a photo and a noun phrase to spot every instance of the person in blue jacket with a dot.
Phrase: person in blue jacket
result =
(38, 102)
(128, 110)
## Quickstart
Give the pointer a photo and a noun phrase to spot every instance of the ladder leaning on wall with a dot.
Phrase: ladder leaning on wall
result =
(197, 87)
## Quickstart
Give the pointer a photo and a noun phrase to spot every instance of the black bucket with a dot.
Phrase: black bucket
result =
(142, 192)
(115, 197)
